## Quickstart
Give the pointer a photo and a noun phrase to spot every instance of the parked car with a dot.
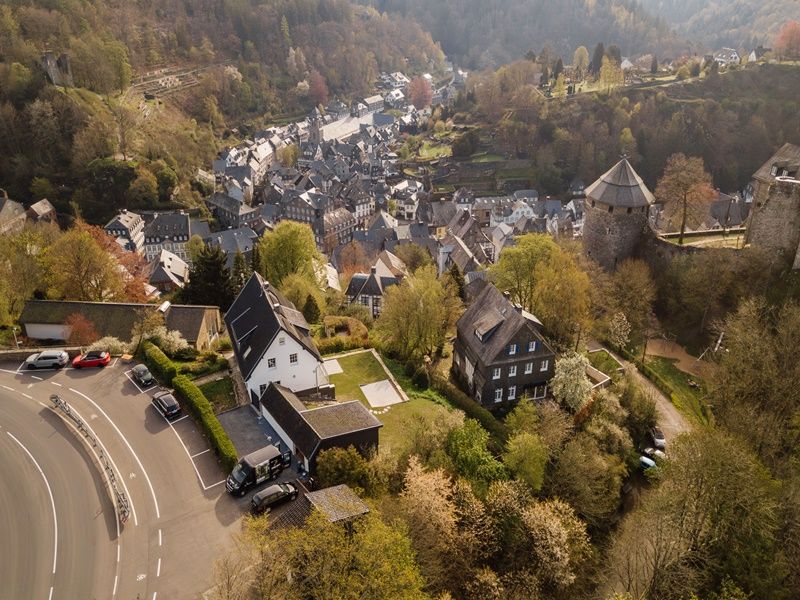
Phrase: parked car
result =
(143, 375)
(49, 359)
(264, 500)
(646, 462)
(166, 404)
(657, 436)
(654, 453)
(93, 358)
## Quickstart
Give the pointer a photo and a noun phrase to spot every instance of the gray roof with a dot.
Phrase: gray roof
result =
(620, 186)
(125, 219)
(169, 225)
(338, 504)
(232, 240)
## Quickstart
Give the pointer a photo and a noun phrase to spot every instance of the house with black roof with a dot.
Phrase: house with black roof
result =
(307, 431)
(272, 341)
(500, 352)
(167, 231)
(368, 289)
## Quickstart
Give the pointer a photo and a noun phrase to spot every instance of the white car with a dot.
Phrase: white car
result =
(49, 359)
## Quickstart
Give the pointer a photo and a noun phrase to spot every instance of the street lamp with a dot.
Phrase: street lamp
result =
(14, 331)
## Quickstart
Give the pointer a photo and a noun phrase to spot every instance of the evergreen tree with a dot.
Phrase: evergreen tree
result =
(458, 279)
(241, 272)
(597, 59)
(311, 309)
(255, 258)
(614, 53)
(559, 68)
(209, 280)
(654, 65)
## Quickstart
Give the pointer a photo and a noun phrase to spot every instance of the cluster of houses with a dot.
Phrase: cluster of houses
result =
(13, 214)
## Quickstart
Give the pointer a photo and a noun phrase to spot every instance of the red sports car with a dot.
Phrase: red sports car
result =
(95, 358)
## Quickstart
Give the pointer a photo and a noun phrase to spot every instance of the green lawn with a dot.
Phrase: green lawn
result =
(484, 157)
(603, 361)
(220, 394)
(358, 369)
(430, 151)
(690, 401)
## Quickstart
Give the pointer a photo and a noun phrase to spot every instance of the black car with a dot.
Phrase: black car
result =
(142, 375)
(274, 495)
(166, 404)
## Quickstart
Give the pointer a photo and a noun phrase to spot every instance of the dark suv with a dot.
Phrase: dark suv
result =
(264, 500)
(166, 404)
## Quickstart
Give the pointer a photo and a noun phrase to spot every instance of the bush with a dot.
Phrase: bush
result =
(421, 379)
(201, 408)
(158, 362)
(223, 344)
(171, 342)
(473, 410)
(336, 344)
(113, 345)
(354, 327)
(187, 353)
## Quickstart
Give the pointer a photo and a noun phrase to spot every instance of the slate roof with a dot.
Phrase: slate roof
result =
(788, 157)
(308, 427)
(10, 210)
(232, 240)
(168, 268)
(620, 186)
(42, 207)
(370, 284)
(254, 319)
(497, 320)
(168, 225)
(338, 504)
(125, 219)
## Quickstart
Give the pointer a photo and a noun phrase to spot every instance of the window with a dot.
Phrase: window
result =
(498, 395)
(539, 392)
(293, 359)
(262, 388)
(496, 374)
(774, 170)
(512, 349)
(545, 365)
(512, 371)
(528, 368)
(512, 392)
(281, 341)
(271, 363)
(532, 346)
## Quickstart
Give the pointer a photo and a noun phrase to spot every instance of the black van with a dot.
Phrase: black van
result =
(256, 468)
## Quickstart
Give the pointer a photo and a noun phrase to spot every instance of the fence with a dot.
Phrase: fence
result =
(123, 507)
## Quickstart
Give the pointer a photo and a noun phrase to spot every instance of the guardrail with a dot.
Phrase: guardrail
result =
(123, 507)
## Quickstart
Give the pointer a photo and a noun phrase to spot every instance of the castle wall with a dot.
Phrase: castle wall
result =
(610, 238)
(775, 221)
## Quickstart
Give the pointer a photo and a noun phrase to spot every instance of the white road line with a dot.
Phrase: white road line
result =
(152, 387)
(22, 364)
(158, 568)
(50, 597)
(52, 502)
(159, 537)
(208, 487)
(179, 419)
(5, 387)
(127, 443)
(114, 592)
(118, 551)
(17, 372)
(58, 384)
(154, 595)
(37, 378)
(27, 396)
(185, 449)
(141, 391)
(199, 453)
(115, 362)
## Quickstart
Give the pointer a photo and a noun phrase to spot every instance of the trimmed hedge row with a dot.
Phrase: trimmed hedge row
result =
(201, 408)
(159, 363)
(334, 345)
(473, 410)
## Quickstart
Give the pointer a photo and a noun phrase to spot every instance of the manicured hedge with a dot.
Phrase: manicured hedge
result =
(194, 399)
(159, 363)
(333, 345)
(470, 407)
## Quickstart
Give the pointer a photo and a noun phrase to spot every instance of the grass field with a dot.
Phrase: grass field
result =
(689, 400)
(358, 369)
(485, 157)
(603, 361)
(220, 394)
(430, 151)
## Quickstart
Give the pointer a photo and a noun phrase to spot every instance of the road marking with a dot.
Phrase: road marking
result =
(141, 391)
(58, 384)
(159, 537)
(154, 595)
(5, 387)
(178, 419)
(158, 568)
(115, 362)
(27, 396)
(199, 453)
(127, 443)
(114, 592)
(118, 550)
(50, 597)
(52, 502)
(37, 378)
(185, 449)
(208, 487)
(22, 364)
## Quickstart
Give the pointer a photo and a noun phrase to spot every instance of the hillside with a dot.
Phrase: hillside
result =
(716, 23)
(251, 62)
(481, 33)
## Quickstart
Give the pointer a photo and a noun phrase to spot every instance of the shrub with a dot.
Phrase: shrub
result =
(421, 379)
(171, 342)
(113, 345)
(187, 353)
(336, 344)
(201, 408)
(473, 410)
(354, 327)
(158, 362)
(223, 344)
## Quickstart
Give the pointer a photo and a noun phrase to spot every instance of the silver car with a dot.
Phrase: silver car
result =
(49, 359)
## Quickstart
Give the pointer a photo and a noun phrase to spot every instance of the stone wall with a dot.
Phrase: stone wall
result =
(611, 237)
(775, 220)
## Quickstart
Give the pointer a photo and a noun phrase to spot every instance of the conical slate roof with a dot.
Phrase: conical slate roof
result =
(620, 186)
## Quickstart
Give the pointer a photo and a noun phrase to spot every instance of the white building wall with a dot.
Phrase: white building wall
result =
(307, 373)
(42, 331)
(287, 442)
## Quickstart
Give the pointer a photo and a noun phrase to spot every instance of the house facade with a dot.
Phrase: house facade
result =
(500, 352)
(272, 341)
(128, 229)
(167, 231)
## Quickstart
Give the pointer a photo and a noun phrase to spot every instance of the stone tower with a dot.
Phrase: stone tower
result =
(775, 219)
(616, 211)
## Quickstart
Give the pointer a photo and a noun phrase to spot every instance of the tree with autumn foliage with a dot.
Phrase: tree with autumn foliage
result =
(318, 88)
(787, 42)
(420, 92)
(685, 190)
(81, 330)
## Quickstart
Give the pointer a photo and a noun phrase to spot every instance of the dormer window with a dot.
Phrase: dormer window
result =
(512, 349)
(774, 170)
(532, 346)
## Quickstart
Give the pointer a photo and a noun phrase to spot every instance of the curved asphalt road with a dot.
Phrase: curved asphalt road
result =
(44, 469)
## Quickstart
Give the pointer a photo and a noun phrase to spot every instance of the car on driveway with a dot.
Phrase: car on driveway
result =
(266, 499)
(93, 358)
(658, 438)
(49, 359)
(166, 404)
(143, 375)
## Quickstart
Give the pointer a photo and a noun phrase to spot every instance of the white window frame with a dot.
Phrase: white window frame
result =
(537, 395)
(528, 368)
(272, 363)
(512, 392)
(512, 371)
(512, 349)
(497, 373)
(262, 388)
(498, 395)
(281, 341)
(545, 365)
(532, 346)
(293, 358)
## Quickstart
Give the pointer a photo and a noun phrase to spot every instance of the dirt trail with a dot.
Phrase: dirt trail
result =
(686, 362)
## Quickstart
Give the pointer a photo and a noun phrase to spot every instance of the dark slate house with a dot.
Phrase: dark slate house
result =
(500, 352)
(369, 288)
(307, 431)
(231, 241)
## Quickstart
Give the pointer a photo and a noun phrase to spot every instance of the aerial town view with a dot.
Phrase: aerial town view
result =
(399, 299)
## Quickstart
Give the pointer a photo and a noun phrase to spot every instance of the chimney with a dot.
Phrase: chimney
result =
(373, 270)
(507, 296)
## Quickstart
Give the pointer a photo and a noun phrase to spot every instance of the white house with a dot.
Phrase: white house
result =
(272, 341)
